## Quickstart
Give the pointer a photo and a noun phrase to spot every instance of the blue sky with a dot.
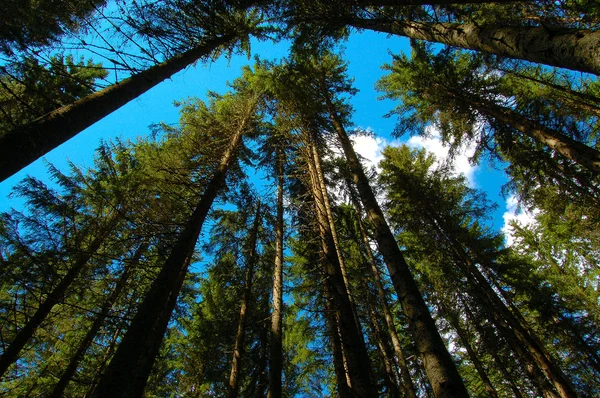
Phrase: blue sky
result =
(365, 53)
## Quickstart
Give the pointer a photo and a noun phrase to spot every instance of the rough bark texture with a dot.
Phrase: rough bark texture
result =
(71, 368)
(353, 346)
(336, 344)
(238, 346)
(276, 349)
(439, 366)
(128, 372)
(471, 352)
(523, 334)
(571, 149)
(22, 146)
(575, 49)
(56, 296)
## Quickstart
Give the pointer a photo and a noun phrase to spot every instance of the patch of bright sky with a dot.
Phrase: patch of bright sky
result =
(365, 53)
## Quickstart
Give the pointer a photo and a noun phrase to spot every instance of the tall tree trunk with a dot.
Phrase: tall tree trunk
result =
(238, 347)
(390, 377)
(463, 336)
(408, 387)
(128, 372)
(524, 334)
(353, 345)
(575, 49)
(276, 347)
(439, 366)
(25, 144)
(498, 360)
(56, 296)
(71, 368)
(586, 101)
(336, 344)
(572, 149)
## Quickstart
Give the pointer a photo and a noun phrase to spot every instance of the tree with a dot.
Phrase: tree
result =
(128, 371)
(47, 132)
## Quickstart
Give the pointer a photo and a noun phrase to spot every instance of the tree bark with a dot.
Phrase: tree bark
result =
(336, 344)
(238, 347)
(390, 378)
(471, 352)
(568, 147)
(71, 368)
(524, 335)
(128, 372)
(408, 388)
(439, 366)
(25, 144)
(353, 345)
(56, 296)
(575, 49)
(276, 347)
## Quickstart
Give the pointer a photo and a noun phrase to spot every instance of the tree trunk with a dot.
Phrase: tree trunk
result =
(128, 372)
(572, 149)
(525, 335)
(471, 352)
(353, 345)
(407, 386)
(238, 347)
(56, 296)
(25, 144)
(276, 348)
(71, 368)
(439, 366)
(575, 49)
(336, 344)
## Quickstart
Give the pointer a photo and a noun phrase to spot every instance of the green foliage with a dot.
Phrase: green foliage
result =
(29, 89)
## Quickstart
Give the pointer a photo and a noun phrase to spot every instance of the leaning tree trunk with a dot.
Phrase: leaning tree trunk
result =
(439, 366)
(353, 345)
(56, 296)
(238, 347)
(128, 372)
(522, 332)
(276, 346)
(25, 144)
(71, 368)
(576, 49)
(463, 336)
(407, 386)
(574, 150)
(339, 367)
(390, 375)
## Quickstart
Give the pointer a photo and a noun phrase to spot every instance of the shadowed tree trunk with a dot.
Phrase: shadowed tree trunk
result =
(352, 344)
(463, 336)
(439, 366)
(407, 386)
(575, 49)
(572, 149)
(336, 345)
(56, 296)
(25, 144)
(238, 347)
(276, 350)
(128, 372)
(71, 368)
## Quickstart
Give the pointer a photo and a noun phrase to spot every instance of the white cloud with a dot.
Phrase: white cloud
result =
(513, 213)
(433, 143)
(369, 147)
